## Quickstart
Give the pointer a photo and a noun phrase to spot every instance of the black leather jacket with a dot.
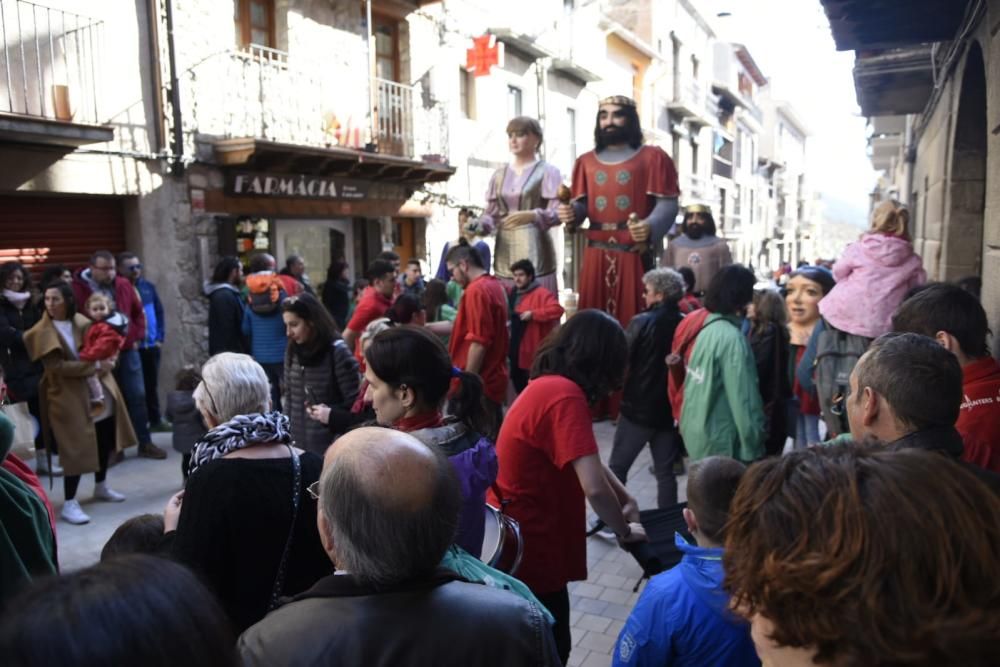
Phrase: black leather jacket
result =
(441, 621)
(650, 334)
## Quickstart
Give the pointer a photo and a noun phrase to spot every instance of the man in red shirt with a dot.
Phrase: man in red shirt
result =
(534, 313)
(956, 319)
(374, 303)
(479, 338)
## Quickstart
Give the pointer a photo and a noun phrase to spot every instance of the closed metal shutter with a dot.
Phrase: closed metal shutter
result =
(41, 231)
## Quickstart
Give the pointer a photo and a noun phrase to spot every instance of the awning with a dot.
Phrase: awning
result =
(263, 155)
(886, 24)
(894, 82)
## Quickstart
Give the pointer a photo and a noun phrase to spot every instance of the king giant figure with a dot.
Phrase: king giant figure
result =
(629, 193)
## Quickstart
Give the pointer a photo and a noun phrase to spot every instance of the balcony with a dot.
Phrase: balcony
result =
(50, 76)
(689, 101)
(269, 95)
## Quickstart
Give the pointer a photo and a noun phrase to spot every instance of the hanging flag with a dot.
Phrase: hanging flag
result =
(484, 54)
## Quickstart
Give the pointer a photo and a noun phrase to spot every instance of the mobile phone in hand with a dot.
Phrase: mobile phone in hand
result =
(310, 397)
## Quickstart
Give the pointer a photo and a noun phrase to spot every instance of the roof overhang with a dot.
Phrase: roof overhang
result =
(47, 132)
(886, 24)
(263, 155)
(749, 64)
(894, 82)
(574, 70)
(521, 43)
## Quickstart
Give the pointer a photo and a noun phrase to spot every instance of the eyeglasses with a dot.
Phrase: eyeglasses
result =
(313, 490)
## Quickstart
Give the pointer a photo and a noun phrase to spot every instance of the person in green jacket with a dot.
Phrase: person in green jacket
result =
(723, 414)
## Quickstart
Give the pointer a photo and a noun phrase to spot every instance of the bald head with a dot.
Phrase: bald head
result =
(390, 505)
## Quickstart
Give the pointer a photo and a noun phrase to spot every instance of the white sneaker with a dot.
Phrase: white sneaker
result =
(73, 513)
(104, 492)
(42, 465)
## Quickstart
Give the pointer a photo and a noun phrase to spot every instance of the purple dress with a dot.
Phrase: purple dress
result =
(534, 189)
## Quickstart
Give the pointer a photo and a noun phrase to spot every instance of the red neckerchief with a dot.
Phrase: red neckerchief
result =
(417, 422)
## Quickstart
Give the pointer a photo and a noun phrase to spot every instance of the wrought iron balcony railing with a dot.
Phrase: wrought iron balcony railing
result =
(51, 63)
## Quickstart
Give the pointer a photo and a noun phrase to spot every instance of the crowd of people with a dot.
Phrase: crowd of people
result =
(352, 452)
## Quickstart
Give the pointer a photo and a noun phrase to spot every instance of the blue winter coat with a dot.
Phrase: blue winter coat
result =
(267, 336)
(683, 618)
(153, 308)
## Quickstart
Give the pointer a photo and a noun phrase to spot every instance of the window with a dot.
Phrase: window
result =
(467, 92)
(513, 101)
(569, 6)
(694, 156)
(385, 30)
(254, 22)
(694, 67)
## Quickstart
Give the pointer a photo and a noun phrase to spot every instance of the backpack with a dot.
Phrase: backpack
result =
(267, 292)
(837, 352)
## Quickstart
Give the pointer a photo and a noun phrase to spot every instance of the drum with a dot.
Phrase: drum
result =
(502, 545)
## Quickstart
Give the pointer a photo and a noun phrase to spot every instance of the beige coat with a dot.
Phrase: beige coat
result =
(65, 400)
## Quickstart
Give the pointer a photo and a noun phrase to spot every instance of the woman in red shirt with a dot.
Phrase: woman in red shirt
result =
(549, 462)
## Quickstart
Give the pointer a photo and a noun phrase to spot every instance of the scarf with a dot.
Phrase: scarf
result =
(417, 422)
(237, 433)
(17, 298)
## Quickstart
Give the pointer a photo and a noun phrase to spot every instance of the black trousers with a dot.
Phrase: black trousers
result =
(558, 605)
(105, 430)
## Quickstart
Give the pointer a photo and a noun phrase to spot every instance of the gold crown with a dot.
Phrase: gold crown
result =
(619, 100)
(697, 208)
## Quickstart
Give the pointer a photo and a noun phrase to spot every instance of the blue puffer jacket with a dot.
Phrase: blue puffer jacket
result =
(683, 618)
(267, 336)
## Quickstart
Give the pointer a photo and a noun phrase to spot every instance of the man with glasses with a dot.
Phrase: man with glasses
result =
(149, 347)
(100, 276)
(906, 391)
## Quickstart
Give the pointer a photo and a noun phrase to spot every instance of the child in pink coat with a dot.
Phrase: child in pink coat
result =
(873, 276)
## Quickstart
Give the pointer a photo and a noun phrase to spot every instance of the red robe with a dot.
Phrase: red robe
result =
(611, 280)
(545, 315)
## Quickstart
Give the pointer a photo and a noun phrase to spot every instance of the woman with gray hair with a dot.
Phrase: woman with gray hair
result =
(244, 520)
(645, 410)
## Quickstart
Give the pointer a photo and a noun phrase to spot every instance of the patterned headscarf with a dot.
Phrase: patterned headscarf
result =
(239, 432)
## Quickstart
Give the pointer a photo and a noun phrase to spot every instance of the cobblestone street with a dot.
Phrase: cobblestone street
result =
(600, 605)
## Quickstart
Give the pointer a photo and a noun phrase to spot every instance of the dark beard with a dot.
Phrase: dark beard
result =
(613, 134)
(694, 232)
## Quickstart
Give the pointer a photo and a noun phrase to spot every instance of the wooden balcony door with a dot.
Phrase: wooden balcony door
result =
(254, 23)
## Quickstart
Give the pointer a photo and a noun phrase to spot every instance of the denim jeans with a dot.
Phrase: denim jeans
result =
(128, 375)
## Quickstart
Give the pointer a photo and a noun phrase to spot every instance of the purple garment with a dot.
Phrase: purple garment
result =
(475, 461)
(481, 247)
(545, 217)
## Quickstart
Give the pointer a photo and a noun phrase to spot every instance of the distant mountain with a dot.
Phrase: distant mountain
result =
(834, 209)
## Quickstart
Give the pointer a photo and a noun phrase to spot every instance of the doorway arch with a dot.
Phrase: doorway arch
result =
(963, 248)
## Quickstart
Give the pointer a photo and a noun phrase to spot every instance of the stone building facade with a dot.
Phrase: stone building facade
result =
(927, 78)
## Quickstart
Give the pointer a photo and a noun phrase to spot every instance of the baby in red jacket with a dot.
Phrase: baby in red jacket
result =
(103, 341)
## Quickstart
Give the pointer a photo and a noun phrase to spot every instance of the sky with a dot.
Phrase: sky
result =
(791, 42)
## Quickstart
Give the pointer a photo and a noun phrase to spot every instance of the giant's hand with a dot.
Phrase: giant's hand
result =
(517, 219)
(639, 230)
(566, 214)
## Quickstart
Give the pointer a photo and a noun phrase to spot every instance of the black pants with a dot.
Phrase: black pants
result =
(558, 605)
(105, 431)
(518, 377)
(150, 358)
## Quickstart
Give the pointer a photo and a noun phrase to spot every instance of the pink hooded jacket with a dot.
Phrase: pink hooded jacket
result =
(873, 275)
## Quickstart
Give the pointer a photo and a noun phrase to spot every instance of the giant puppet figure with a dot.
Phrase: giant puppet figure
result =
(628, 192)
(521, 207)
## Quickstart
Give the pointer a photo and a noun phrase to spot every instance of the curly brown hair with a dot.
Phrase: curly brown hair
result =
(869, 557)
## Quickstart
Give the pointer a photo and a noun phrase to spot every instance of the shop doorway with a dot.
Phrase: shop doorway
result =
(319, 242)
(404, 239)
